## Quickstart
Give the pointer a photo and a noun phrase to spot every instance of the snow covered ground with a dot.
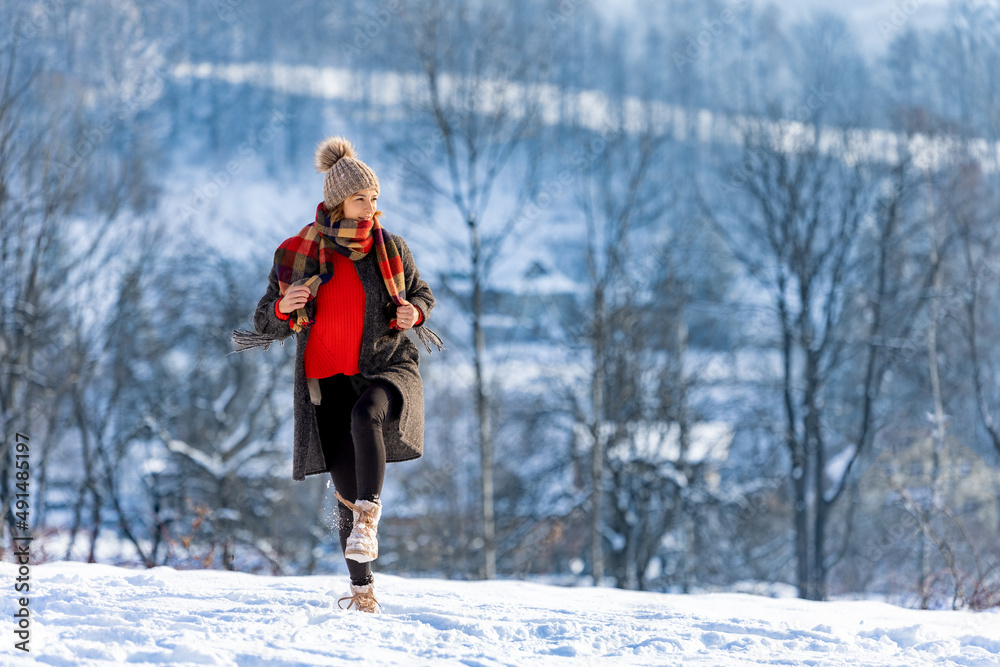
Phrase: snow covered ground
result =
(91, 614)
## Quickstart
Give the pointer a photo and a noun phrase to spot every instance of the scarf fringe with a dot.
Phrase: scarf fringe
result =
(245, 340)
(426, 335)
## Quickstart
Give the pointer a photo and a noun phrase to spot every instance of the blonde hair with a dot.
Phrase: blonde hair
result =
(338, 212)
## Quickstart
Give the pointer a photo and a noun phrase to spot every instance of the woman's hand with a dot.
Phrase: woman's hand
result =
(294, 299)
(407, 315)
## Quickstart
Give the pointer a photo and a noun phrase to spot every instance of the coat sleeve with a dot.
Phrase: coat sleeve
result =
(265, 319)
(417, 291)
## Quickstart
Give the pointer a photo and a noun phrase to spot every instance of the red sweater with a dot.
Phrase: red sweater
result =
(334, 344)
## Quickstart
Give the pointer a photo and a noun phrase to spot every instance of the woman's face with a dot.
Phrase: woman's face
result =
(361, 205)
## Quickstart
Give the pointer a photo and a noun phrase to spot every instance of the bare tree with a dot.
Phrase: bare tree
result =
(476, 62)
(972, 206)
(217, 419)
(802, 242)
(619, 194)
(59, 162)
(105, 398)
(37, 193)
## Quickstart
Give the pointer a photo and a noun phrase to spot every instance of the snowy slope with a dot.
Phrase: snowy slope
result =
(102, 615)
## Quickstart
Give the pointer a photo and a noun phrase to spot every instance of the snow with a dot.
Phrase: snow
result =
(661, 441)
(595, 111)
(95, 614)
(836, 466)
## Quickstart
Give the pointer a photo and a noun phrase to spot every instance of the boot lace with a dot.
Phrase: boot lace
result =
(348, 503)
(364, 517)
(363, 601)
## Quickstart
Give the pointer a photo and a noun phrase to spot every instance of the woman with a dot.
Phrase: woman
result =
(349, 290)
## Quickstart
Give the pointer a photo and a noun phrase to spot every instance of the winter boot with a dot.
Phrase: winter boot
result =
(362, 545)
(362, 598)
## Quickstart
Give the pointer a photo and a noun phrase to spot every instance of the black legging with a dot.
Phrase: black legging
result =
(350, 430)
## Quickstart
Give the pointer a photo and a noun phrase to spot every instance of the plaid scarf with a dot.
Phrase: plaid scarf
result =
(306, 259)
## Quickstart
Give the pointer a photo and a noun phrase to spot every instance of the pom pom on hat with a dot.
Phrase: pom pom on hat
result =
(331, 150)
(345, 173)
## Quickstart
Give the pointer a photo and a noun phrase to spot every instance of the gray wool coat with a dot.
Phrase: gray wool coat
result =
(386, 354)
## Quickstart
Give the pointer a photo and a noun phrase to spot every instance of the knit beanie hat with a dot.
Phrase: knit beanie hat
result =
(345, 173)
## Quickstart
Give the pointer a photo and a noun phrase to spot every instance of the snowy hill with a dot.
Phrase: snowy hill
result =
(91, 614)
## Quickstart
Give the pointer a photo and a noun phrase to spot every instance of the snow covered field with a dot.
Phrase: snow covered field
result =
(89, 614)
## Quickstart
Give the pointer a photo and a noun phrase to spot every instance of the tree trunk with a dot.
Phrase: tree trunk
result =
(95, 524)
(801, 523)
(482, 406)
(597, 432)
(938, 431)
(797, 452)
(817, 455)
